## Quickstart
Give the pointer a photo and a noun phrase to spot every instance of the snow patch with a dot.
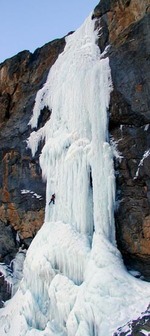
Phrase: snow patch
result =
(145, 155)
(26, 191)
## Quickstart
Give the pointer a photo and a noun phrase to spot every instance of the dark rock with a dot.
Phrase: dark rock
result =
(7, 243)
(128, 36)
(5, 101)
(5, 290)
(102, 8)
(103, 32)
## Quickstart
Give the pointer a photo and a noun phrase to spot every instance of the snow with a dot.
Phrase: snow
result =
(26, 191)
(145, 155)
(145, 332)
(114, 146)
(146, 127)
(74, 279)
(135, 273)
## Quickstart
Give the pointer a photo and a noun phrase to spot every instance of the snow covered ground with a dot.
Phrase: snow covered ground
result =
(74, 280)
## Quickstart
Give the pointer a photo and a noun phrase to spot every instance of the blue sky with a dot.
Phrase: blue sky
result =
(29, 24)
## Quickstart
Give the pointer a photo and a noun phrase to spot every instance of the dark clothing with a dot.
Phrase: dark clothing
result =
(52, 199)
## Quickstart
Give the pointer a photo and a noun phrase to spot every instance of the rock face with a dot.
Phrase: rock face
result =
(5, 290)
(126, 34)
(22, 192)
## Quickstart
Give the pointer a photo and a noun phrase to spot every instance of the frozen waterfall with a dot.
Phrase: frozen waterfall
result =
(75, 283)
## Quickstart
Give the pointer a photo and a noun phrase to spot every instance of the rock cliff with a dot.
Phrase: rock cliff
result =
(126, 34)
(22, 191)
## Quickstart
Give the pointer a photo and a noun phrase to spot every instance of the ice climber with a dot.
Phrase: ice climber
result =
(52, 199)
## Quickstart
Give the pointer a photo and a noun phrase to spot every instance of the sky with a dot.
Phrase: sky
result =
(29, 24)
